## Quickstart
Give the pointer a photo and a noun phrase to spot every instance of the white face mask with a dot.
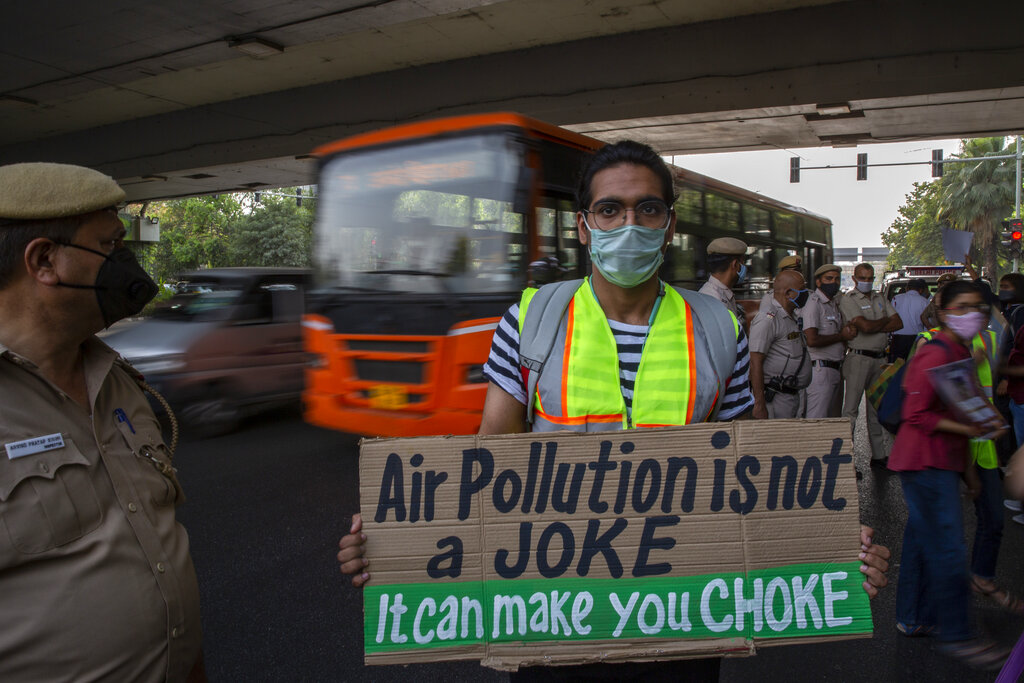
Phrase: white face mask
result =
(864, 287)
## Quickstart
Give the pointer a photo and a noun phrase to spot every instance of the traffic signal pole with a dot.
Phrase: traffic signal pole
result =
(936, 164)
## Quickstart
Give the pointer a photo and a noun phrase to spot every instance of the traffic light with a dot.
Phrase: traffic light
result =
(936, 163)
(1013, 232)
(862, 167)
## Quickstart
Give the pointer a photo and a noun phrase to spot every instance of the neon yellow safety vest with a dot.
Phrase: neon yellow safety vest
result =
(580, 388)
(984, 452)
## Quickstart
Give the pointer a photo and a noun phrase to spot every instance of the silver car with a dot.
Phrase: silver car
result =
(227, 345)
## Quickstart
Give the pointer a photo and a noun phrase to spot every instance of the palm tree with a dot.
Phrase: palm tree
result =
(978, 195)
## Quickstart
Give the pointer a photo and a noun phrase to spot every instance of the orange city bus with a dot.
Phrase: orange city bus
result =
(424, 237)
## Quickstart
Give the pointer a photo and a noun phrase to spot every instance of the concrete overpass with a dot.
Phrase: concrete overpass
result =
(168, 98)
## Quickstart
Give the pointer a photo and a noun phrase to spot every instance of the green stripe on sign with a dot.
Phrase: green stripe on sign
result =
(783, 602)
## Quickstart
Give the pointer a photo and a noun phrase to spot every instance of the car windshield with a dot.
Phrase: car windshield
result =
(199, 302)
(433, 216)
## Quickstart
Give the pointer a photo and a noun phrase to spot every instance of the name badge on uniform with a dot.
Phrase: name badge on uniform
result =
(792, 335)
(866, 308)
(37, 444)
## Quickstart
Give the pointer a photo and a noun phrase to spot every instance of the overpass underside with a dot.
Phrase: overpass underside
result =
(840, 73)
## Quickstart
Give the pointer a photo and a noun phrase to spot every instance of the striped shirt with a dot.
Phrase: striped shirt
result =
(502, 366)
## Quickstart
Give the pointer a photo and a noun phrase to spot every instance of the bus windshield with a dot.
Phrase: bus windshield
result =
(444, 215)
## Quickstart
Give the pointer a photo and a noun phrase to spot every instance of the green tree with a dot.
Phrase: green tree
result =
(194, 233)
(915, 237)
(978, 195)
(275, 232)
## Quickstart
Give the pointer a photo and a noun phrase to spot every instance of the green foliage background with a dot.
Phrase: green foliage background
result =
(974, 195)
(242, 229)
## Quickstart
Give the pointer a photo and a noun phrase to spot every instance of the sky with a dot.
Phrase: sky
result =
(860, 210)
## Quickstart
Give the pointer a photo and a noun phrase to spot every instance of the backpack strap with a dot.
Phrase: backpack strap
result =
(539, 329)
(719, 327)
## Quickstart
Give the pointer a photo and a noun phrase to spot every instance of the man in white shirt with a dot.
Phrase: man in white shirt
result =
(910, 305)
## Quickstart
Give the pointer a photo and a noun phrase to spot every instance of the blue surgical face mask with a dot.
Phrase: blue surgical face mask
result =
(627, 256)
(743, 274)
(864, 287)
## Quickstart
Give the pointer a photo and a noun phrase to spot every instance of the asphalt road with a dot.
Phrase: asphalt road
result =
(268, 503)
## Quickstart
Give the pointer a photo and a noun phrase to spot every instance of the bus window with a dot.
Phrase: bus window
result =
(785, 228)
(435, 216)
(780, 253)
(547, 239)
(759, 264)
(681, 259)
(440, 208)
(814, 231)
(722, 213)
(556, 234)
(690, 206)
(756, 221)
(569, 244)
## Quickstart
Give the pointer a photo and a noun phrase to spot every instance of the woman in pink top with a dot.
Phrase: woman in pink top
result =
(931, 454)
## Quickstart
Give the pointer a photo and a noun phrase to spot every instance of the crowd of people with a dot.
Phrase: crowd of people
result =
(88, 490)
(811, 352)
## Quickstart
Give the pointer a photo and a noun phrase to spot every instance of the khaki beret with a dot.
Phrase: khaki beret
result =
(947, 277)
(730, 246)
(790, 261)
(827, 268)
(42, 190)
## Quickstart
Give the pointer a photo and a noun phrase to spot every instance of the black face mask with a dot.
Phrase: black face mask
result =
(829, 289)
(1008, 296)
(122, 287)
(801, 298)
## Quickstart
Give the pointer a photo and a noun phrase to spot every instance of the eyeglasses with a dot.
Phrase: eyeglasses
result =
(969, 308)
(652, 213)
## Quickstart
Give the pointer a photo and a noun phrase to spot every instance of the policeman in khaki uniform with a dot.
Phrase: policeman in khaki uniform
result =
(791, 262)
(96, 581)
(874, 317)
(726, 263)
(826, 338)
(779, 363)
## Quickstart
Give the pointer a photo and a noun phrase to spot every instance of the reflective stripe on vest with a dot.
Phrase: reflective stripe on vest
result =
(983, 451)
(580, 389)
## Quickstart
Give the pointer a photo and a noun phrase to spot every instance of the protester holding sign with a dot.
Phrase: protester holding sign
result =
(625, 354)
(931, 454)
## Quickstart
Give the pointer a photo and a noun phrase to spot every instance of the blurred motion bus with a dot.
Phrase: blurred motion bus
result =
(424, 236)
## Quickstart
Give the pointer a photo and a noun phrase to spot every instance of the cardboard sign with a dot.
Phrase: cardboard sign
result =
(646, 544)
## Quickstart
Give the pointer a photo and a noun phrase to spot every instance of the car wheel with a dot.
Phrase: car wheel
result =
(212, 415)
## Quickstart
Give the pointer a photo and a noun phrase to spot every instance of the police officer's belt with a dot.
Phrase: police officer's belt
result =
(834, 364)
(869, 354)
